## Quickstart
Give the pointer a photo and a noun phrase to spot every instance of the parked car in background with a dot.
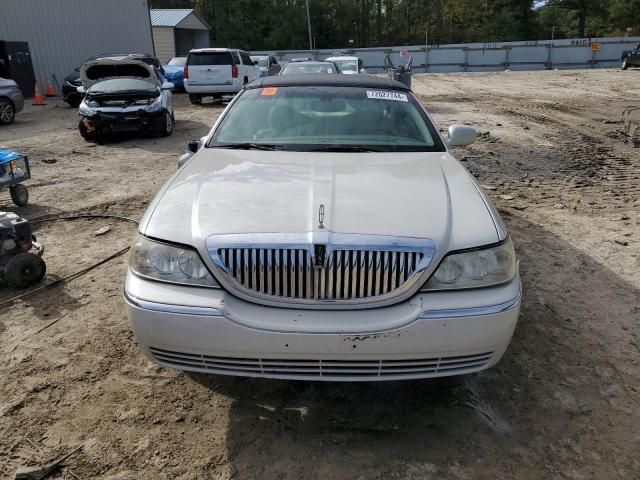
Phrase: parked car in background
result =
(11, 101)
(323, 230)
(349, 65)
(72, 81)
(174, 71)
(124, 95)
(309, 68)
(215, 72)
(630, 58)
(267, 64)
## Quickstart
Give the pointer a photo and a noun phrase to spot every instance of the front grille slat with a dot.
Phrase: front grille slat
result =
(245, 268)
(285, 273)
(338, 291)
(347, 274)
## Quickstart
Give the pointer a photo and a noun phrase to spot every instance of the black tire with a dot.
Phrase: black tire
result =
(625, 64)
(168, 124)
(195, 99)
(24, 269)
(74, 102)
(19, 195)
(246, 80)
(86, 134)
(7, 111)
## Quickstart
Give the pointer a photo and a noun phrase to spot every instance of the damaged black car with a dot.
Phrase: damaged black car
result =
(124, 96)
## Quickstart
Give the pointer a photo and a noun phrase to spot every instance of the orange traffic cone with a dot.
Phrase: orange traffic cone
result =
(37, 98)
(51, 92)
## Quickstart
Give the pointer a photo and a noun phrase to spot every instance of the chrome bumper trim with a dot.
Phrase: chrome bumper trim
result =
(472, 311)
(170, 308)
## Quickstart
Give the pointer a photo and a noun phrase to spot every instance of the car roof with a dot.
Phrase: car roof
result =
(197, 50)
(127, 56)
(311, 62)
(341, 57)
(323, 80)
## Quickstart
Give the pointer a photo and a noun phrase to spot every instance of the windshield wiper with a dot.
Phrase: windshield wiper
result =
(344, 148)
(248, 146)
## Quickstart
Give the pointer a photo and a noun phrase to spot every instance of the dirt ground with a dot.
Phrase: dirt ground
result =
(556, 152)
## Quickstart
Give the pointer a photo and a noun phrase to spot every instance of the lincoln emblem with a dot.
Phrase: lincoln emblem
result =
(321, 217)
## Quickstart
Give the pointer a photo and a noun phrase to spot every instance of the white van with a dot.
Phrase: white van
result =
(214, 72)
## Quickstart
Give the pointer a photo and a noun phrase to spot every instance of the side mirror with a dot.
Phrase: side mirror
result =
(193, 146)
(81, 90)
(363, 71)
(460, 135)
(255, 62)
(167, 86)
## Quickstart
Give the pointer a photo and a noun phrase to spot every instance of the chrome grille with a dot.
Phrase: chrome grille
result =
(323, 269)
(327, 369)
(345, 274)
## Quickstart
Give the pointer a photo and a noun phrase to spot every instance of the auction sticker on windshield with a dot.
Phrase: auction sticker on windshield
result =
(387, 95)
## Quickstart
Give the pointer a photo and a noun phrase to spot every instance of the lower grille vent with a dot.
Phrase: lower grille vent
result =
(319, 369)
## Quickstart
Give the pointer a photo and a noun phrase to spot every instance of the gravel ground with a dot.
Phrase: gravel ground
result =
(557, 153)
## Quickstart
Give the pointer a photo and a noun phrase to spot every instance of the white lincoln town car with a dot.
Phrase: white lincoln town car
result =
(323, 231)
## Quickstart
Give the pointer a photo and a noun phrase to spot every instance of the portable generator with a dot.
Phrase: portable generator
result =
(21, 263)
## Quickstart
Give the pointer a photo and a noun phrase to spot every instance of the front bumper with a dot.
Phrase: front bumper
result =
(117, 122)
(430, 335)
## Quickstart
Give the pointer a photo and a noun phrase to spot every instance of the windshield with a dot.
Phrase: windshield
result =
(262, 61)
(307, 68)
(210, 58)
(177, 61)
(118, 85)
(327, 118)
(347, 65)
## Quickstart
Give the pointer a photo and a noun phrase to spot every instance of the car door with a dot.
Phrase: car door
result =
(361, 68)
(274, 66)
(210, 68)
(166, 98)
(251, 71)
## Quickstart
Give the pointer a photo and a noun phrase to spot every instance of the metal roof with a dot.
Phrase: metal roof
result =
(171, 17)
(326, 80)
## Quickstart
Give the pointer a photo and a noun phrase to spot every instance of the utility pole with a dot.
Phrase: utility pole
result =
(426, 49)
(309, 27)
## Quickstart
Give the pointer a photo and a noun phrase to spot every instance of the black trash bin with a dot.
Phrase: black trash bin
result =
(401, 73)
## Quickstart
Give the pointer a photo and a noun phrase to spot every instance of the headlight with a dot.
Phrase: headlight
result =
(166, 263)
(478, 268)
(154, 107)
(85, 110)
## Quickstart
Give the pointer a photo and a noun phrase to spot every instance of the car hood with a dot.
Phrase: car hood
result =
(172, 69)
(6, 82)
(105, 69)
(420, 195)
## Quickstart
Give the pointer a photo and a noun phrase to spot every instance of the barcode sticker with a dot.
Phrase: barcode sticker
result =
(387, 95)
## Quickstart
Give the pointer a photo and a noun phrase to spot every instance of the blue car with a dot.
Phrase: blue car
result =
(174, 71)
